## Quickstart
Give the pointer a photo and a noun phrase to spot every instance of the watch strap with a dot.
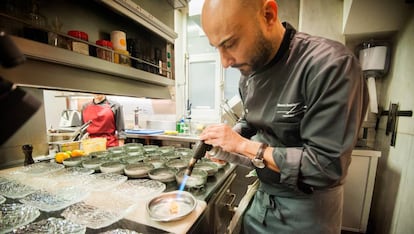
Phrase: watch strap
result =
(260, 152)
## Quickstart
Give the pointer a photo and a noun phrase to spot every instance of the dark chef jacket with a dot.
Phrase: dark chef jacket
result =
(308, 103)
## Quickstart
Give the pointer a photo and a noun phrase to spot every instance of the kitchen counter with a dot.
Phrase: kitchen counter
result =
(148, 138)
(138, 218)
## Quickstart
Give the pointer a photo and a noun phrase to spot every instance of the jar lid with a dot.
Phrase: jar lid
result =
(124, 52)
(104, 43)
(78, 34)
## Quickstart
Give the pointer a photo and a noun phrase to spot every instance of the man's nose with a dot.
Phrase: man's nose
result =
(226, 59)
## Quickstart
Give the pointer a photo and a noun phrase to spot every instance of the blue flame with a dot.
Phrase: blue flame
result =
(182, 185)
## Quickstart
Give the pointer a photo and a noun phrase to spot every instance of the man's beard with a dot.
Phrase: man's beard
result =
(259, 56)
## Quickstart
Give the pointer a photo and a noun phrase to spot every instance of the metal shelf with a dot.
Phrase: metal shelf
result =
(139, 15)
(55, 68)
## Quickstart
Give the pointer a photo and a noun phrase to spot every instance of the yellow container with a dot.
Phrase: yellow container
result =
(122, 57)
(67, 145)
(94, 144)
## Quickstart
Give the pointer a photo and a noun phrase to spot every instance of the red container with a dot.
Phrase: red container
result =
(106, 52)
(78, 45)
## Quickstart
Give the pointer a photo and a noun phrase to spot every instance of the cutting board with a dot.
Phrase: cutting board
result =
(144, 131)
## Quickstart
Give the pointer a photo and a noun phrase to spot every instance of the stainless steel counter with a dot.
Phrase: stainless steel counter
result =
(139, 220)
(163, 137)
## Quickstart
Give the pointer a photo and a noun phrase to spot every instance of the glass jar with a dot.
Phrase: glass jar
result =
(78, 45)
(104, 53)
(122, 57)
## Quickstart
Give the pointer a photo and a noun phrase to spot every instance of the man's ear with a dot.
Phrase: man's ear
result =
(270, 11)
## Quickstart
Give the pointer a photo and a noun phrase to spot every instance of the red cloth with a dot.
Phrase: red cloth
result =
(103, 122)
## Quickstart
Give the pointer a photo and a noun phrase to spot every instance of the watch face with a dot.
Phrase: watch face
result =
(258, 163)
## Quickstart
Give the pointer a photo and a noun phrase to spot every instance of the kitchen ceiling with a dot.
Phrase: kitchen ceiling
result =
(375, 17)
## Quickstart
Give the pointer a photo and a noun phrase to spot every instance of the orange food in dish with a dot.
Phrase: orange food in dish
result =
(173, 207)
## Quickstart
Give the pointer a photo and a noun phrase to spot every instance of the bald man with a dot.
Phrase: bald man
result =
(304, 100)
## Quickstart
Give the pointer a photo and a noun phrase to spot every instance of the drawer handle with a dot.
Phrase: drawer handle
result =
(230, 204)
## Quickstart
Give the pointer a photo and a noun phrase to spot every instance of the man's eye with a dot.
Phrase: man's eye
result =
(228, 45)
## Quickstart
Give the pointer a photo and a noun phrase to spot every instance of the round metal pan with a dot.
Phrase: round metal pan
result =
(171, 206)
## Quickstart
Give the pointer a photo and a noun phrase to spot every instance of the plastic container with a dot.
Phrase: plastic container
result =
(78, 45)
(118, 39)
(104, 53)
(94, 144)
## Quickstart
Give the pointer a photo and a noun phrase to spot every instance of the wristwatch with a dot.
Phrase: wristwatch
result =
(258, 160)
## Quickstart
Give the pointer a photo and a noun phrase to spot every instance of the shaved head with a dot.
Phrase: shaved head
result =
(246, 32)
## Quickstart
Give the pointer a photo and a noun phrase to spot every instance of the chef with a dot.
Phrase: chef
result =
(107, 120)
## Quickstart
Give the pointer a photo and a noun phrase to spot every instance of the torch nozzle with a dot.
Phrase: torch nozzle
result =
(200, 150)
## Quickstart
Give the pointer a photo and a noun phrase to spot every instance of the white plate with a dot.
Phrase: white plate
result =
(16, 215)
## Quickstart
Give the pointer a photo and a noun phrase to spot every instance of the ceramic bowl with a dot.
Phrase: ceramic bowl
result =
(197, 179)
(112, 167)
(163, 174)
(209, 167)
(177, 164)
(73, 161)
(138, 170)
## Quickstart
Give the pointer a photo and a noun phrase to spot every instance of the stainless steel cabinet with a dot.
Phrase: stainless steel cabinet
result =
(359, 188)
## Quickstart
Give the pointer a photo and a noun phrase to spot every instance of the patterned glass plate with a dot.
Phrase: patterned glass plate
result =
(53, 201)
(90, 216)
(104, 181)
(13, 190)
(2, 199)
(16, 215)
(52, 225)
(41, 168)
(140, 189)
(78, 171)
(120, 231)
(3, 180)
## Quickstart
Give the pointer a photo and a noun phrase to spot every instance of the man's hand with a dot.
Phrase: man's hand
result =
(223, 136)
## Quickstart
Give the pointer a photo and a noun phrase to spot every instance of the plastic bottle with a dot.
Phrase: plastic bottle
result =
(182, 126)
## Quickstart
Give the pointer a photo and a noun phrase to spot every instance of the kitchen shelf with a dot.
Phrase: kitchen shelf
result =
(56, 68)
(139, 15)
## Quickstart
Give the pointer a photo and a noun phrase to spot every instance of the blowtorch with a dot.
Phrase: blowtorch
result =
(200, 150)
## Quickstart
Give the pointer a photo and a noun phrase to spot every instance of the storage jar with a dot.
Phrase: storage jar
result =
(106, 52)
(78, 45)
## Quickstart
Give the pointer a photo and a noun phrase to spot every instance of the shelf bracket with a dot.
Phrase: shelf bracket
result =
(392, 120)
